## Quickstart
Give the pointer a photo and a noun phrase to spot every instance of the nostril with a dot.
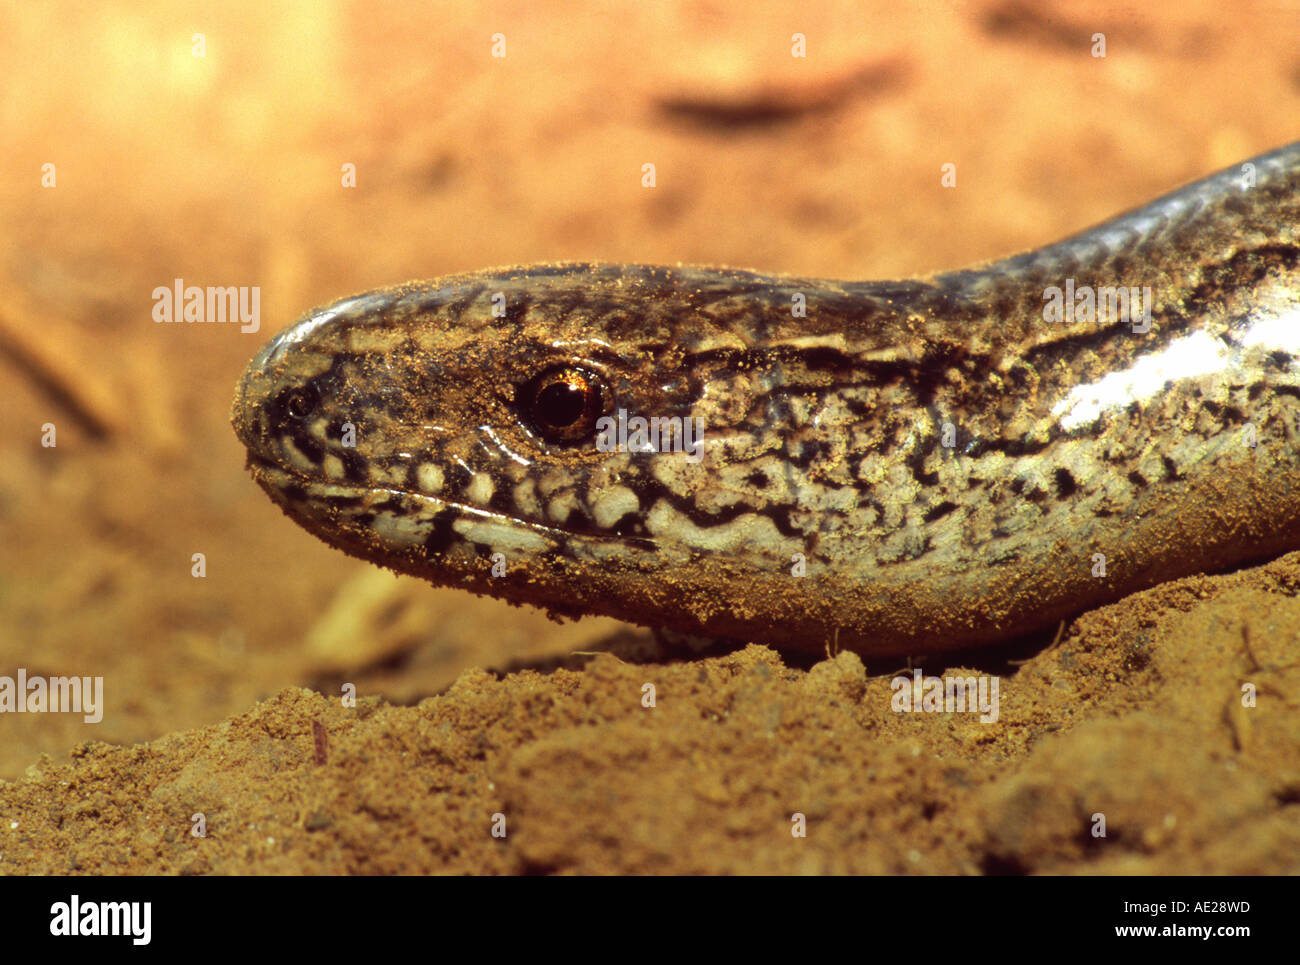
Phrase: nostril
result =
(301, 403)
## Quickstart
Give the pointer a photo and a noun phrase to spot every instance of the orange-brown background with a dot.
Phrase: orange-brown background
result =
(225, 170)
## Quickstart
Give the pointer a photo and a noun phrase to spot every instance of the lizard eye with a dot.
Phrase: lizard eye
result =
(563, 404)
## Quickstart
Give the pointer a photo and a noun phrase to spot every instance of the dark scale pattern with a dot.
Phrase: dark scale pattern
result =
(944, 462)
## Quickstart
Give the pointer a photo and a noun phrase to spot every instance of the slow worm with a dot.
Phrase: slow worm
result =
(893, 466)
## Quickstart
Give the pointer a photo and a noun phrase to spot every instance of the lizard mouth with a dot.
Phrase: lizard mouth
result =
(323, 505)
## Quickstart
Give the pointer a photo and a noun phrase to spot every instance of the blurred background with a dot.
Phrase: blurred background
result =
(207, 141)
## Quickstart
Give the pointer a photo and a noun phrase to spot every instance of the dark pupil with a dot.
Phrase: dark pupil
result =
(561, 404)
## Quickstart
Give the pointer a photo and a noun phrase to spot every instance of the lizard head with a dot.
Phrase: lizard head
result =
(438, 428)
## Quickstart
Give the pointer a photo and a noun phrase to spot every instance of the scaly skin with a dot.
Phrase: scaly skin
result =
(913, 466)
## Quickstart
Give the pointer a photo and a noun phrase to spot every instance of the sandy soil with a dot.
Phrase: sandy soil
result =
(223, 693)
